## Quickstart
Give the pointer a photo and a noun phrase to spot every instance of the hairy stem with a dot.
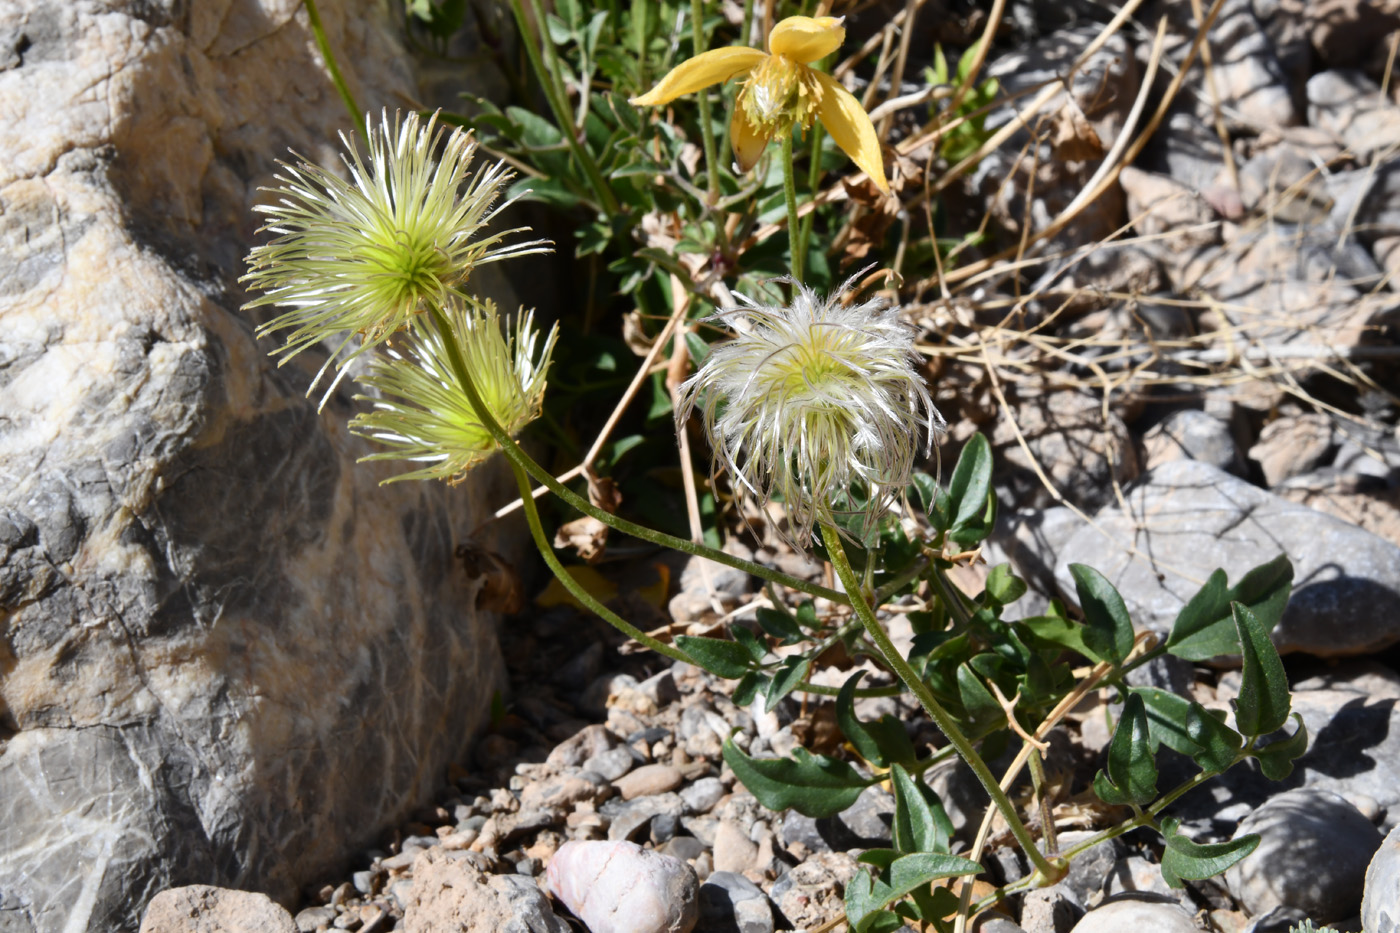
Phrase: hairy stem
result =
(945, 722)
(357, 116)
(707, 129)
(552, 94)
(790, 195)
(589, 601)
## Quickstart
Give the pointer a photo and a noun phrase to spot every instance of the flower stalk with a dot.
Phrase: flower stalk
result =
(790, 197)
(831, 536)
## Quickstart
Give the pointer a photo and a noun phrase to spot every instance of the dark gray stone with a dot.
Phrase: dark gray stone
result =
(1186, 519)
(864, 825)
(731, 903)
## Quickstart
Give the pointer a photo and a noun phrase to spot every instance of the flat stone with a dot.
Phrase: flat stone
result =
(1350, 105)
(1312, 856)
(611, 764)
(734, 851)
(1186, 519)
(648, 780)
(200, 908)
(628, 819)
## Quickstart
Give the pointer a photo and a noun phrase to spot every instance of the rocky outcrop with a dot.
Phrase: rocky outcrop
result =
(226, 655)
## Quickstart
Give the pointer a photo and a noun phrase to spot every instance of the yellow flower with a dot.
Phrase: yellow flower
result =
(781, 92)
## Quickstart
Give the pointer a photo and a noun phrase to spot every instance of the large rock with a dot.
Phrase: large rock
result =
(226, 655)
(1185, 519)
(1312, 856)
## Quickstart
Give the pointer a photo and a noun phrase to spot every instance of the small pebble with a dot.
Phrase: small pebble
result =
(734, 851)
(731, 903)
(1141, 914)
(703, 795)
(647, 781)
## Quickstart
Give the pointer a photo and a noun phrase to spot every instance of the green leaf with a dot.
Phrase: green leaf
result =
(791, 673)
(926, 488)
(1167, 715)
(866, 897)
(1216, 743)
(920, 822)
(1108, 628)
(1276, 759)
(968, 491)
(807, 614)
(1132, 773)
(1263, 703)
(982, 708)
(1057, 630)
(1003, 586)
(723, 658)
(751, 642)
(1184, 859)
(1204, 628)
(813, 785)
(748, 687)
(882, 742)
(780, 625)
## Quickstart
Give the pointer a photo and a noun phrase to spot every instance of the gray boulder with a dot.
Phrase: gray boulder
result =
(228, 655)
(1186, 518)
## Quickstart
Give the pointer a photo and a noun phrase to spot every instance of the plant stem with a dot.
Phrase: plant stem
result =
(790, 194)
(357, 116)
(707, 129)
(552, 92)
(589, 601)
(945, 722)
(513, 451)
(814, 175)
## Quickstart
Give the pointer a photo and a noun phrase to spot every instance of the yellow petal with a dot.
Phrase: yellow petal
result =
(748, 142)
(805, 40)
(713, 67)
(848, 123)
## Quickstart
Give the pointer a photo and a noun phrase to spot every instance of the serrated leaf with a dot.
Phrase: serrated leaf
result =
(1216, 743)
(1186, 860)
(1263, 702)
(780, 625)
(1108, 628)
(1004, 586)
(789, 674)
(1204, 628)
(813, 785)
(920, 822)
(1131, 776)
(866, 897)
(883, 741)
(1276, 759)
(722, 658)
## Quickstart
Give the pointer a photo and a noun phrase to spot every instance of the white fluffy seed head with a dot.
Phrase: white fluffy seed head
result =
(812, 398)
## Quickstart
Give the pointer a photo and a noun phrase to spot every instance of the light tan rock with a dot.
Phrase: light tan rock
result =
(200, 908)
(733, 850)
(648, 780)
(450, 894)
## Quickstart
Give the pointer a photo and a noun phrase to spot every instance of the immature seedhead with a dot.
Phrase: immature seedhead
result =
(812, 398)
(422, 412)
(365, 256)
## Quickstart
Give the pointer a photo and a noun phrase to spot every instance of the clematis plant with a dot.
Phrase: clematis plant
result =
(782, 92)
